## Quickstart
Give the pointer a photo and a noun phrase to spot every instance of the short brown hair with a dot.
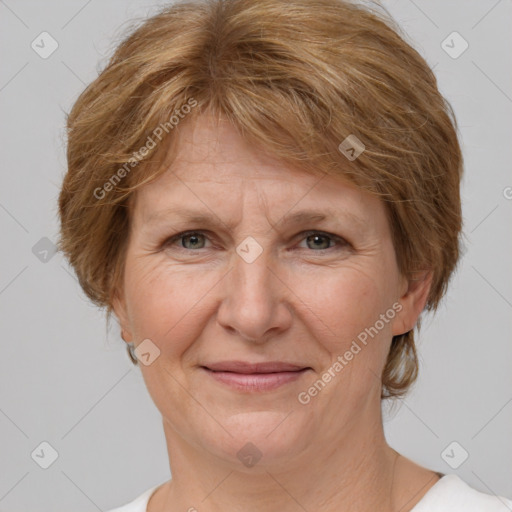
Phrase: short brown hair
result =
(295, 76)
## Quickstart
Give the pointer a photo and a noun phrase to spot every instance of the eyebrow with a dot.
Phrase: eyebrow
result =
(210, 219)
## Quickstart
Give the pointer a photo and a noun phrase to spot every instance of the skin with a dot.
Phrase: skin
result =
(303, 300)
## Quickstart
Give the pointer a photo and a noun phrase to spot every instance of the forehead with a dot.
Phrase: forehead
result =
(216, 169)
(211, 147)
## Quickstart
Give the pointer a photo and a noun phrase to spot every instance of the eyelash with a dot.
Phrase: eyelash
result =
(342, 243)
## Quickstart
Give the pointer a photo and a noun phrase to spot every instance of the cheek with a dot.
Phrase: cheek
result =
(171, 304)
(165, 302)
(345, 306)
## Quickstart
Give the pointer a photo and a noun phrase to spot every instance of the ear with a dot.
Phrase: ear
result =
(414, 295)
(119, 307)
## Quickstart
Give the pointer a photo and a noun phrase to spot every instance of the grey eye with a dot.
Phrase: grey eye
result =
(319, 241)
(194, 241)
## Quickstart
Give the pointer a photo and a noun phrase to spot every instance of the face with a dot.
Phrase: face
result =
(271, 295)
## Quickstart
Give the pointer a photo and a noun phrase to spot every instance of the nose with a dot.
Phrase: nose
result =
(255, 304)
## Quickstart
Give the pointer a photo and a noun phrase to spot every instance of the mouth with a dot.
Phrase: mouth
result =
(253, 377)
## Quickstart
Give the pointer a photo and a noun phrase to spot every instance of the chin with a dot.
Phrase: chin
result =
(259, 440)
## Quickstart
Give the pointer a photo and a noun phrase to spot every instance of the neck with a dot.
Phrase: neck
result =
(356, 472)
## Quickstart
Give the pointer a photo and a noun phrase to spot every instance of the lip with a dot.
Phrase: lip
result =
(245, 367)
(244, 376)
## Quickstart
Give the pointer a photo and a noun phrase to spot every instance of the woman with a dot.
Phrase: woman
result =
(266, 195)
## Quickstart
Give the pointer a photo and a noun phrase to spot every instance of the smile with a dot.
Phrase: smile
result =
(256, 377)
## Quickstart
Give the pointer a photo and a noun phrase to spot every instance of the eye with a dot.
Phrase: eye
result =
(188, 239)
(319, 241)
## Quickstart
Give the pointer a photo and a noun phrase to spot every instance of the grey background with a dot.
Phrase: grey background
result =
(66, 380)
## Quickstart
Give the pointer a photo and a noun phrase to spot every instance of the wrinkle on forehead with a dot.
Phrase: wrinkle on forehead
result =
(217, 172)
(217, 142)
